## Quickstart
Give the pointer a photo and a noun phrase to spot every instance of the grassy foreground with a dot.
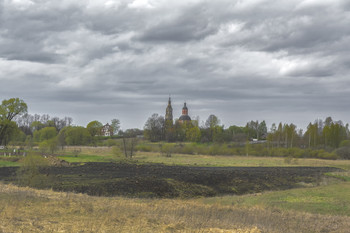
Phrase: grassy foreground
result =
(324, 208)
(29, 210)
(333, 199)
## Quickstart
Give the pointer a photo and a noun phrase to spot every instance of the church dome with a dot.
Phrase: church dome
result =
(185, 118)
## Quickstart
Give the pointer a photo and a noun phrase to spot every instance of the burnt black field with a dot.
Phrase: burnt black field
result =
(155, 180)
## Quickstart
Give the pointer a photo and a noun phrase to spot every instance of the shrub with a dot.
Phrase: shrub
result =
(295, 152)
(313, 153)
(232, 151)
(344, 143)
(241, 151)
(327, 155)
(117, 152)
(202, 149)
(343, 152)
(29, 174)
(76, 135)
(214, 149)
(280, 152)
(188, 149)
(144, 148)
(110, 142)
(166, 149)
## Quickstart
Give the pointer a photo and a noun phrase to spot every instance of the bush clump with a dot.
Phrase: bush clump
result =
(29, 172)
(343, 152)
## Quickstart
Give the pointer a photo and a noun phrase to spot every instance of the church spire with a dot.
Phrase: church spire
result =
(185, 109)
(169, 111)
(184, 117)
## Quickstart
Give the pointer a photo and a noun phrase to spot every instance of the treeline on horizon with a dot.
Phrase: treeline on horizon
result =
(320, 134)
(323, 138)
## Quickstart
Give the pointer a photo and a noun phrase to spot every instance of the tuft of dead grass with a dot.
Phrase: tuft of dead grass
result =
(30, 210)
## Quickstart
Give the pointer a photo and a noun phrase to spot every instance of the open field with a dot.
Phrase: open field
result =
(238, 161)
(29, 210)
(93, 154)
(87, 150)
(332, 199)
(8, 164)
(105, 154)
(84, 158)
(9, 161)
(319, 204)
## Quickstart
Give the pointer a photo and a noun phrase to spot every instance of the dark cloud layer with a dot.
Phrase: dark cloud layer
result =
(241, 60)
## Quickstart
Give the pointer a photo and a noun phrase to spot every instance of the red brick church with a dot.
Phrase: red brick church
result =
(169, 113)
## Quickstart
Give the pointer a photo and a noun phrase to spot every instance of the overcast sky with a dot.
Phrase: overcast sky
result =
(241, 60)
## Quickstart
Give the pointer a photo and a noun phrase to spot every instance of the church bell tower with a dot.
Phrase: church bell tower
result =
(169, 112)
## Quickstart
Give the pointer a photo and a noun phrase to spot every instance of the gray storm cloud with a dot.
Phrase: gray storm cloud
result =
(241, 60)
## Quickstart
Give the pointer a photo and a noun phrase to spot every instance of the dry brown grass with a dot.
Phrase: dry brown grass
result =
(238, 161)
(89, 150)
(29, 210)
(207, 160)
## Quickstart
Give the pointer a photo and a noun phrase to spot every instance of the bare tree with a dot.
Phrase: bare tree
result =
(154, 128)
(129, 144)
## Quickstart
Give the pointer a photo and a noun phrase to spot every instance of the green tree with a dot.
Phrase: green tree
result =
(9, 130)
(220, 135)
(19, 136)
(271, 136)
(36, 125)
(29, 142)
(333, 133)
(251, 129)
(193, 134)
(115, 124)
(169, 131)
(61, 137)
(210, 124)
(237, 133)
(49, 146)
(180, 131)
(48, 133)
(212, 121)
(290, 134)
(262, 130)
(312, 134)
(94, 128)
(12, 107)
(45, 134)
(257, 130)
(279, 134)
(8, 110)
(74, 136)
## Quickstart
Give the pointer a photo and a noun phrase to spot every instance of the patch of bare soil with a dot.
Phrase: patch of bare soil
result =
(154, 180)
